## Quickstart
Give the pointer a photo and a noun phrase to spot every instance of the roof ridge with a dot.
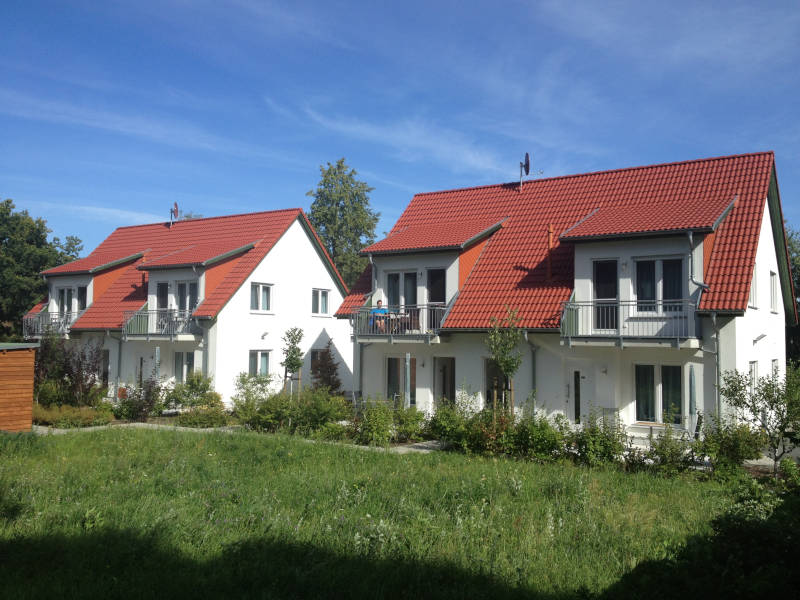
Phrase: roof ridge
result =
(246, 214)
(601, 172)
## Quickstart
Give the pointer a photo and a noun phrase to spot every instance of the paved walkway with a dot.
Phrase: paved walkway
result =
(424, 447)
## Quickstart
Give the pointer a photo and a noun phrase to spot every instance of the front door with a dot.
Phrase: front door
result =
(580, 388)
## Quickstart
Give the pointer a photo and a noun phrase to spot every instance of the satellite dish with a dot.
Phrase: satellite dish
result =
(527, 164)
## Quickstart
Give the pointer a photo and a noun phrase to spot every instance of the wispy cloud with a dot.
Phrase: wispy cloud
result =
(415, 140)
(115, 216)
(163, 130)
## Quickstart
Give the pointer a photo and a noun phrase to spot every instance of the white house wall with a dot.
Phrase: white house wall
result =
(54, 282)
(293, 268)
(760, 333)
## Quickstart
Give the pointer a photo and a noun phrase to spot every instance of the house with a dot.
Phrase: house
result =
(213, 295)
(636, 288)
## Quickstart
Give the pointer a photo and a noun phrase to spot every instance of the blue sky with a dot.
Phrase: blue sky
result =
(112, 111)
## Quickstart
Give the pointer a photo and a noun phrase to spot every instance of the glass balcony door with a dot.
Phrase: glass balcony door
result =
(605, 282)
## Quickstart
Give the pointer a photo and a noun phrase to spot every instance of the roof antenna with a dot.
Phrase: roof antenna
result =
(173, 212)
(524, 166)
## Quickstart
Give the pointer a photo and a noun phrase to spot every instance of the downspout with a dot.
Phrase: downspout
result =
(533, 348)
(700, 284)
(718, 347)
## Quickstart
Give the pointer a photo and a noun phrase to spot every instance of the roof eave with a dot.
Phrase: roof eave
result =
(636, 234)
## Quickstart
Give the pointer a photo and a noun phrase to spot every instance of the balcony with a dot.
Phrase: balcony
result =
(621, 321)
(46, 322)
(168, 323)
(417, 322)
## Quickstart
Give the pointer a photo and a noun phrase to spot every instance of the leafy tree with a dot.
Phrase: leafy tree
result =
(770, 404)
(292, 355)
(793, 332)
(325, 372)
(343, 218)
(24, 253)
(67, 372)
(502, 341)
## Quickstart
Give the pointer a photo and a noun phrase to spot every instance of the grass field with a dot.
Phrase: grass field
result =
(132, 513)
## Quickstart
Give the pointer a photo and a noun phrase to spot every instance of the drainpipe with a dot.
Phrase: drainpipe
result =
(718, 347)
(691, 263)
(533, 348)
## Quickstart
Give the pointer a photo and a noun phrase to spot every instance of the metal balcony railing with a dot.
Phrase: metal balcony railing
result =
(47, 322)
(153, 323)
(669, 319)
(408, 320)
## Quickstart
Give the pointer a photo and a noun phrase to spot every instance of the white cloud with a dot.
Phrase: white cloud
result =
(415, 140)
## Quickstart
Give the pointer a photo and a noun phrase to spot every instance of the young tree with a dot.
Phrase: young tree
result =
(292, 355)
(325, 372)
(502, 341)
(770, 404)
(24, 253)
(343, 218)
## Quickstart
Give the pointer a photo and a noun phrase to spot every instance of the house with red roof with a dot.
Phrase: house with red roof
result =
(635, 288)
(214, 295)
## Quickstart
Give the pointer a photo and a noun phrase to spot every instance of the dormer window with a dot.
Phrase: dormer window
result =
(405, 295)
(187, 295)
(81, 298)
(64, 296)
(659, 284)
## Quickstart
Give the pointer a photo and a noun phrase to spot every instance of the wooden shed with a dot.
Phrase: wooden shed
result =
(16, 386)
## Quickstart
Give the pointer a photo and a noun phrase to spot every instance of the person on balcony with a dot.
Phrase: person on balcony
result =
(377, 321)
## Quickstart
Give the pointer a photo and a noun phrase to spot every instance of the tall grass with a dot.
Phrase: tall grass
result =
(137, 513)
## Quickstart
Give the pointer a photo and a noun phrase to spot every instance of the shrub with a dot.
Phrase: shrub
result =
(374, 428)
(670, 452)
(66, 372)
(408, 424)
(325, 371)
(251, 391)
(727, 444)
(490, 433)
(271, 414)
(536, 437)
(49, 392)
(449, 425)
(196, 391)
(137, 403)
(599, 440)
(204, 416)
(67, 417)
(313, 408)
(332, 432)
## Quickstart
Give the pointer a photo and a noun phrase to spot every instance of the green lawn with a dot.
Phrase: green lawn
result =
(138, 513)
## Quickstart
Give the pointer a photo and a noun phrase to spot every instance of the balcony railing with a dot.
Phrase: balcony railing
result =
(156, 323)
(394, 321)
(668, 319)
(47, 322)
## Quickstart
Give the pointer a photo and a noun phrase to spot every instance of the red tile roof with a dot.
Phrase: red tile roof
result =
(193, 241)
(512, 269)
(440, 236)
(358, 294)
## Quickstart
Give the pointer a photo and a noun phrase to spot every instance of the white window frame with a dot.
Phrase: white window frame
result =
(776, 366)
(753, 373)
(184, 365)
(258, 354)
(752, 301)
(401, 288)
(659, 391)
(177, 299)
(261, 286)
(659, 281)
(773, 291)
(402, 392)
(319, 292)
(69, 292)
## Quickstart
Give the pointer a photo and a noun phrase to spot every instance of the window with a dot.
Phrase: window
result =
(753, 375)
(187, 296)
(64, 296)
(753, 292)
(396, 379)
(659, 282)
(773, 291)
(605, 283)
(316, 356)
(184, 364)
(162, 295)
(659, 394)
(82, 297)
(776, 366)
(494, 378)
(319, 302)
(397, 296)
(261, 296)
(259, 362)
(104, 367)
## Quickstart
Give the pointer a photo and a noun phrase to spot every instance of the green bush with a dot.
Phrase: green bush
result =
(272, 414)
(670, 452)
(490, 433)
(599, 441)
(204, 416)
(332, 432)
(449, 425)
(408, 424)
(313, 408)
(49, 392)
(138, 403)
(196, 391)
(251, 391)
(67, 417)
(536, 437)
(728, 444)
(374, 427)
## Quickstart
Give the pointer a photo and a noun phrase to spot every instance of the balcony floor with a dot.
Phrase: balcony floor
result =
(611, 342)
